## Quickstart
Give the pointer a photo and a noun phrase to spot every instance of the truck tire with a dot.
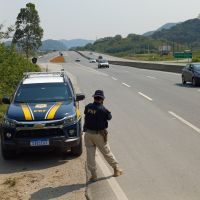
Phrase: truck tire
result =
(77, 150)
(7, 154)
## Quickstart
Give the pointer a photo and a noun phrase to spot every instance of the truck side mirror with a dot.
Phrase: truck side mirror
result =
(6, 100)
(80, 97)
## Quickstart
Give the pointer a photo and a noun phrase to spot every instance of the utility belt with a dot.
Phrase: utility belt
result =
(94, 131)
(104, 133)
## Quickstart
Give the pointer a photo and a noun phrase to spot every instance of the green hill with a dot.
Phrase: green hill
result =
(186, 33)
(50, 45)
(165, 26)
(119, 46)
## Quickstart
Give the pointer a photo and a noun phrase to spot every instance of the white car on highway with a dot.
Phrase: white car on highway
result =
(103, 64)
(92, 60)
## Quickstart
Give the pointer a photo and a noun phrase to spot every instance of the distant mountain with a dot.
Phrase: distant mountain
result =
(187, 33)
(76, 42)
(7, 43)
(63, 45)
(50, 45)
(165, 26)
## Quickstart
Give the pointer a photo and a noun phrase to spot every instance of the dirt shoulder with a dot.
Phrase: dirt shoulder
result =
(44, 175)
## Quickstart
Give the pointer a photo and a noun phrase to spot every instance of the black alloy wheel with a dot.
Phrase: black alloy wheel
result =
(7, 154)
(194, 83)
(77, 150)
(183, 80)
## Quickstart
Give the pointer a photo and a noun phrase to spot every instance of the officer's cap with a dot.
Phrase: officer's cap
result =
(99, 93)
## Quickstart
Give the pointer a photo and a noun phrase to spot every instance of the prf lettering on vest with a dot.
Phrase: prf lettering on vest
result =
(91, 111)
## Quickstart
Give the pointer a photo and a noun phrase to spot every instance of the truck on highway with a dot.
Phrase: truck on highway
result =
(43, 113)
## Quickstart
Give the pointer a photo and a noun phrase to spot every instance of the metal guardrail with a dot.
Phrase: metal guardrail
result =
(145, 65)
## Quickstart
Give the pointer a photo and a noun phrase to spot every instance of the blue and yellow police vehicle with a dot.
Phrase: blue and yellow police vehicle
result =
(43, 113)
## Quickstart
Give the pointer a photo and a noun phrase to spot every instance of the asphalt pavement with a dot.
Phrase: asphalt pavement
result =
(154, 132)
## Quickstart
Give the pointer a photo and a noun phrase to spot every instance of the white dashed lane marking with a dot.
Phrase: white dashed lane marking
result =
(151, 77)
(114, 78)
(145, 96)
(126, 85)
(184, 121)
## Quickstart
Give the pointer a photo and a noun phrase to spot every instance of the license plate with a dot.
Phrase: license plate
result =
(39, 142)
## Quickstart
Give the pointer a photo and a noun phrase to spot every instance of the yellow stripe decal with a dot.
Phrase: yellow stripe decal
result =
(27, 112)
(53, 110)
(78, 113)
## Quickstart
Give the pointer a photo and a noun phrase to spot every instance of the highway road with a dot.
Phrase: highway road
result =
(155, 131)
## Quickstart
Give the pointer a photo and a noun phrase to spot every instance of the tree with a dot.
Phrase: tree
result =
(28, 33)
(5, 34)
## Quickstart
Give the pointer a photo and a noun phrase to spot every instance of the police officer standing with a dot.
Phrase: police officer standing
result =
(96, 123)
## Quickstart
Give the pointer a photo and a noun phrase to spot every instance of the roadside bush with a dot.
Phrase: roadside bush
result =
(196, 59)
(12, 67)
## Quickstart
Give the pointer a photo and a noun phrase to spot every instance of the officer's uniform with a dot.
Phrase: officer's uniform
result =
(96, 121)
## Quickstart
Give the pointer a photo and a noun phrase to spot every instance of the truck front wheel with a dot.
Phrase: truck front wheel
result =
(77, 150)
(7, 154)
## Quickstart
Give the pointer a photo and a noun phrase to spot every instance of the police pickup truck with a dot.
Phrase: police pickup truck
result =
(43, 113)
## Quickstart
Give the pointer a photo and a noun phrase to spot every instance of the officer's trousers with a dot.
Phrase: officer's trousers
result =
(93, 140)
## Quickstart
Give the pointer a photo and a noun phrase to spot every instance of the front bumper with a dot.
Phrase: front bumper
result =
(59, 143)
(61, 137)
(103, 66)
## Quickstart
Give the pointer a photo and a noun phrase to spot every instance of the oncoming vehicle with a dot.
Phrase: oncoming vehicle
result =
(103, 64)
(43, 113)
(191, 73)
(92, 60)
(78, 60)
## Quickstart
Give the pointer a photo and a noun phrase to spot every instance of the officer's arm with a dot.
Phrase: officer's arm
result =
(85, 111)
(84, 126)
(109, 116)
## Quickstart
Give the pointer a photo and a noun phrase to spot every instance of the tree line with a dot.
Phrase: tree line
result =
(27, 35)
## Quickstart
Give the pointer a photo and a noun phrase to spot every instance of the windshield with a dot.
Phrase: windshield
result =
(32, 93)
(197, 67)
(103, 61)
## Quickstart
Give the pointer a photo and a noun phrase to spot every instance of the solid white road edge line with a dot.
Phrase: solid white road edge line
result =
(114, 78)
(145, 96)
(119, 193)
(184, 121)
(126, 85)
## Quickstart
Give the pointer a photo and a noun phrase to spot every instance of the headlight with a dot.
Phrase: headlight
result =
(10, 123)
(70, 120)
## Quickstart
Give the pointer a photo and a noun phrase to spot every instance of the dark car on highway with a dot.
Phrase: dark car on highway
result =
(78, 60)
(191, 73)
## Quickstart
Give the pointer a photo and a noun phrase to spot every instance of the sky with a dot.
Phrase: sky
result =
(94, 19)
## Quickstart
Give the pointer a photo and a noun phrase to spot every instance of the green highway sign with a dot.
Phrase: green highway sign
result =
(183, 55)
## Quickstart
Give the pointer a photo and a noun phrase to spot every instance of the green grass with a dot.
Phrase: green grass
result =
(157, 57)
(196, 56)
(150, 57)
(3, 109)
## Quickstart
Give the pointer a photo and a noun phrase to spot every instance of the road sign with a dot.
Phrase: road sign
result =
(183, 55)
